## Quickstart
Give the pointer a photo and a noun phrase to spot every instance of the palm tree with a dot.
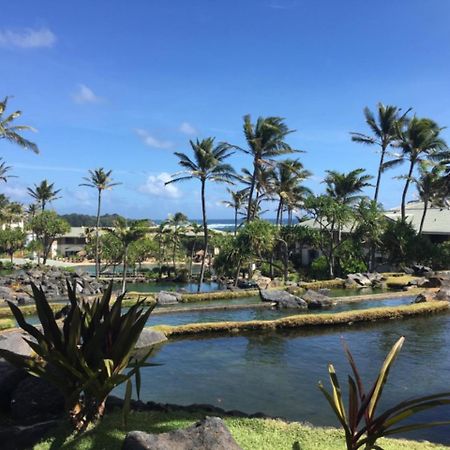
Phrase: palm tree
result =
(196, 229)
(430, 187)
(265, 140)
(237, 202)
(11, 132)
(44, 193)
(344, 187)
(288, 176)
(102, 181)
(126, 235)
(419, 140)
(384, 128)
(207, 165)
(174, 223)
(4, 169)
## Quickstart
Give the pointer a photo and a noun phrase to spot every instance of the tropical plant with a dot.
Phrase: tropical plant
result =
(265, 140)
(384, 133)
(44, 193)
(236, 202)
(47, 226)
(346, 187)
(12, 240)
(208, 164)
(288, 176)
(12, 132)
(101, 181)
(174, 224)
(362, 425)
(4, 169)
(87, 355)
(419, 140)
(126, 235)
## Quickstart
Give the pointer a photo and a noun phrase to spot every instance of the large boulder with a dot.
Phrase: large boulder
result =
(209, 434)
(283, 299)
(263, 282)
(148, 339)
(14, 342)
(425, 297)
(359, 279)
(168, 298)
(10, 377)
(316, 300)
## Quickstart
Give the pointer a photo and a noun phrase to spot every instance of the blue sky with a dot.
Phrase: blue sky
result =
(122, 85)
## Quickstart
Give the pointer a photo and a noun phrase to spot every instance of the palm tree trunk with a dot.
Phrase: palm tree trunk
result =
(235, 220)
(252, 188)
(238, 270)
(425, 209)
(205, 237)
(125, 268)
(192, 259)
(97, 237)
(380, 171)
(405, 189)
(280, 205)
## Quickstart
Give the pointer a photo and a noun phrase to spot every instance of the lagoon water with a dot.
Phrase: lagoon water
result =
(277, 373)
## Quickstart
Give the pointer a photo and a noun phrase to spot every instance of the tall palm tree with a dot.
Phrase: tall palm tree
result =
(430, 187)
(265, 140)
(102, 181)
(345, 187)
(4, 169)
(44, 193)
(384, 133)
(11, 132)
(126, 235)
(288, 176)
(419, 140)
(236, 202)
(208, 164)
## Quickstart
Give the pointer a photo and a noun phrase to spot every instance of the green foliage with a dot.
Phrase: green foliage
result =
(47, 226)
(362, 425)
(86, 357)
(12, 240)
(319, 268)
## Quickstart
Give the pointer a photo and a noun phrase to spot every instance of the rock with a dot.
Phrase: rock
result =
(148, 338)
(21, 437)
(14, 342)
(316, 300)
(425, 297)
(247, 284)
(419, 269)
(443, 294)
(263, 282)
(35, 396)
(283, 299)
(208, 434)
(167, 298)
(360, 279)
(10, 377)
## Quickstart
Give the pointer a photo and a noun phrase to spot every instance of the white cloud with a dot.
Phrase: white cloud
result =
(27, 38)
(155, 186)
(15, 192)
(85, 94)
(151, 141)
(187, 128)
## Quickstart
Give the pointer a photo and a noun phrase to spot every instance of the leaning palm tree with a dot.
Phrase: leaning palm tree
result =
(384, 133)
(237, 202)
(44, 193)
(207, 165)
(175, 223)
(265, 140)
(12, 132)
(4, 169)
(346, 187)
(419, 140)
(102, 181)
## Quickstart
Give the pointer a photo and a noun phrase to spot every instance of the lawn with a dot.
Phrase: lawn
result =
(251, 434)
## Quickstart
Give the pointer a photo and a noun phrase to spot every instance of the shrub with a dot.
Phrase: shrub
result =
(362, 425)
(319, 268)
(87, 356)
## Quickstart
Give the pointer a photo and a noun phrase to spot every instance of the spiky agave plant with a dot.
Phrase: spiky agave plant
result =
(361, 424)
(88, 354)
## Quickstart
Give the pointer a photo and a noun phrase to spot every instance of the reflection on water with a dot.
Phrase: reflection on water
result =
(277, 373)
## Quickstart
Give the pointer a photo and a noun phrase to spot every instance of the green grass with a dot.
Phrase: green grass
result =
(250, 434)
(7, 323)
(307, 320)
